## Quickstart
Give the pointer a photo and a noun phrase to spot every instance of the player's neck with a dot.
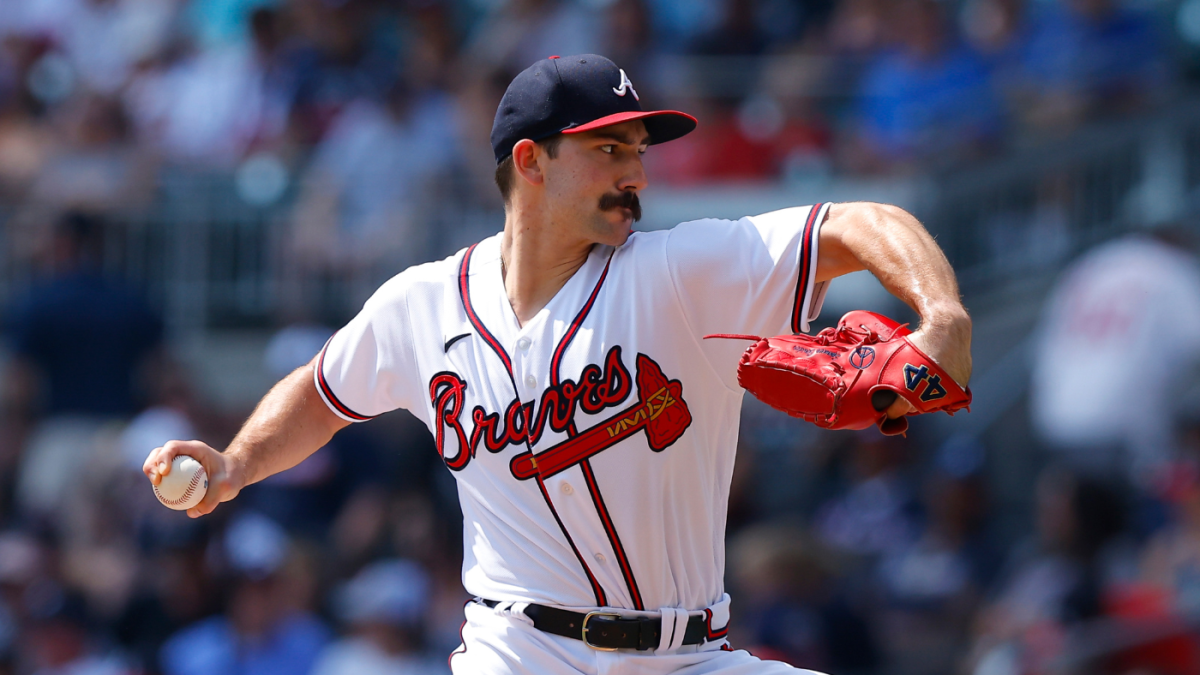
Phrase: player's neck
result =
(537, 262)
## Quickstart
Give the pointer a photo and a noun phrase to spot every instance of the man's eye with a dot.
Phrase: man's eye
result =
(641, 151)
(608, 148)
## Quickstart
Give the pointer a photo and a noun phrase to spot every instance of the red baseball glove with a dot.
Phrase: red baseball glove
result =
(846, 377)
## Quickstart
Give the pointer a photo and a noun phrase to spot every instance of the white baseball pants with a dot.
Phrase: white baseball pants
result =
(500, 642)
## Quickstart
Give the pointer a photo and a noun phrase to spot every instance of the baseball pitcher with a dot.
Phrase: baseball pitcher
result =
(562, 368)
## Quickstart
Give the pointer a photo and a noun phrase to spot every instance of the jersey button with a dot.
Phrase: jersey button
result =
(567, 489)
(600, 558)
(524, 343)
(530, 381)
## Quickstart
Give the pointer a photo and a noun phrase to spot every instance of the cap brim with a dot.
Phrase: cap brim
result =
(662, 125)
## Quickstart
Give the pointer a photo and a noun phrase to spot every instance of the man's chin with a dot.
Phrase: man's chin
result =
(615, 231)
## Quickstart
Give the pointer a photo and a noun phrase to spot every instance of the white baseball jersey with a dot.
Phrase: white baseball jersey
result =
(594, 445)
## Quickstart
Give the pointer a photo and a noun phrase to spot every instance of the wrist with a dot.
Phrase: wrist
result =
(237, 466)
(945, 336)
(945, 320)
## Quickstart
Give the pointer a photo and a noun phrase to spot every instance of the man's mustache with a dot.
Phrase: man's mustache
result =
(622, 200)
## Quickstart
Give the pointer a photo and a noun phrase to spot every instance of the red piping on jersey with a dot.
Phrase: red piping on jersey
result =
(589, 476)
(805, 265)
(456, 652)
(614, 540)
(711, 634)
(464, 290)
(333, 400)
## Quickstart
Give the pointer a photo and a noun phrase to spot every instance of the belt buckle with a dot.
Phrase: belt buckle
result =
(584, 630)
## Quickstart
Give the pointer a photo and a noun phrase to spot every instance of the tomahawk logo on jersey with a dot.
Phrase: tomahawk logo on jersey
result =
(586, 442)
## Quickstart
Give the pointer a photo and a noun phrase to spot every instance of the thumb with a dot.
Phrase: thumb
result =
(893, 403)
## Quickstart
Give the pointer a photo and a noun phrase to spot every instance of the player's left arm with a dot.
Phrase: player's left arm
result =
(890, 243)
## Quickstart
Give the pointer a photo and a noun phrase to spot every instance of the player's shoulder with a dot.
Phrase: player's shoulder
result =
(643, 241)
(423, 280)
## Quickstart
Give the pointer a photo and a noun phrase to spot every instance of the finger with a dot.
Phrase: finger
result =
(899, 408)
(150, 466)
(158, 464)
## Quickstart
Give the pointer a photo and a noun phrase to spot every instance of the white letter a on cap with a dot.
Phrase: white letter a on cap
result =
(625, 84)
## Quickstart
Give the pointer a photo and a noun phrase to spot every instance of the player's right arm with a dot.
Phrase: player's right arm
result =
(367, 368)
(289, 424)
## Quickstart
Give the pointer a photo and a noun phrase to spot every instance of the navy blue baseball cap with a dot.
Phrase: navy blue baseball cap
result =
(572, 94)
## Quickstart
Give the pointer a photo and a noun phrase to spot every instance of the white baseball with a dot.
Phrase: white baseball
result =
(184, 486)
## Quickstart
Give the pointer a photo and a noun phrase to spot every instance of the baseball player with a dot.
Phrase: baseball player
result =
(560, 367)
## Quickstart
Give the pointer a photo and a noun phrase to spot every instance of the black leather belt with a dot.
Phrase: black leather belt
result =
(607, 630)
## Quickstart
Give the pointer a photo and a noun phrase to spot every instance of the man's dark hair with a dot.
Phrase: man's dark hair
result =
(505, 173)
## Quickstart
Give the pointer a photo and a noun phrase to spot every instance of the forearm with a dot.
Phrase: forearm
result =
(289, 424)
(893, 245)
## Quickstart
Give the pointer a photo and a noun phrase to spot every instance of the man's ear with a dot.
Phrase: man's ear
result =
(525, 161)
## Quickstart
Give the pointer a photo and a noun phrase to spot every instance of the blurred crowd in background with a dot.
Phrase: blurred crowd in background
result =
(848, 552)
(367, 107)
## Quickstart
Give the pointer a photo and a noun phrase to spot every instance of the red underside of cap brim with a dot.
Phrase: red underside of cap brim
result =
(663, 125)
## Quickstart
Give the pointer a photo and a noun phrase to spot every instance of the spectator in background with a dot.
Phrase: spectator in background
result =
(176, 588)
(1057, 580)
(80, 343)
(382, 609)
(932, 587)
(1086, 57)
(998, 30)
(60, 641)
(876, 513)
(858, 29)
(26, 140)
(266, 630)
(629, 37)
(1104, 411)
(104, 40)
(217, 23)
(792, 606)
(363, 194)
(927, 100)
(208, 107)
(738, 33)
(98, 167)
(520, 32)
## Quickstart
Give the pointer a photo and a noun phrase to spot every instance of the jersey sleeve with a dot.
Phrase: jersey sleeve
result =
(369, 367)
(753, 276)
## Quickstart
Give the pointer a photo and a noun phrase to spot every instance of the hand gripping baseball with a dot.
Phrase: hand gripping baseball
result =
(846, 377)
(223, 472)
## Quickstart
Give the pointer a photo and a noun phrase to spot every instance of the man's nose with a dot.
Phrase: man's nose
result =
(634, 178)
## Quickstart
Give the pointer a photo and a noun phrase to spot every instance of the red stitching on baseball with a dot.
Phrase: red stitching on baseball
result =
(186, 493)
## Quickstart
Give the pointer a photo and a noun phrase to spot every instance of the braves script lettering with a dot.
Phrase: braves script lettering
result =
(596, 389)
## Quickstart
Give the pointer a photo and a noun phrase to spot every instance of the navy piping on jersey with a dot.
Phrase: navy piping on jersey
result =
(464, 290)
(805, 267)
(589, 476)
(333, 400)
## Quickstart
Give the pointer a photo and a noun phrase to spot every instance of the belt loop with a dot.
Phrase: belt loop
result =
(674, 625)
